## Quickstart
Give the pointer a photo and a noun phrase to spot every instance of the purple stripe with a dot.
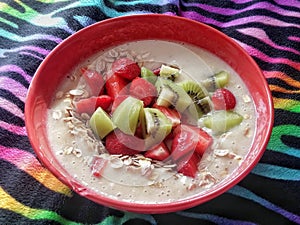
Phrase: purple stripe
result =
(7, 105)
(260, 5)
(294, 3)
(31, 54)
(14, 87)
(260, 19)
(14, 68)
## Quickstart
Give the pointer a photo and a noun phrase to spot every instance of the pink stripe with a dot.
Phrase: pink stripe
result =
(11, 107)
(260, 19)
(294, 3)
(31, 54)
(230, 11)
(254, 52)
(13, 86)
(14, 68)
(13, 128)
(261, 35)
(294, 38)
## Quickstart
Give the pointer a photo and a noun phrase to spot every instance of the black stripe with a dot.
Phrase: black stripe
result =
(12, 140)
(271, 190)
(25, 188)
(11, 218)
(227, 205)
(281, 83)
(12, 98)
(280, 159)
(17, 77)
(9, 117)
(290, 71)
(284, 117)
(142, 7)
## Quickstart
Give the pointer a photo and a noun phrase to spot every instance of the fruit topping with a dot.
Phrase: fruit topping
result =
(143, 89)
(222, 120)
(169, 72)
(216, 81)
(116, 85)
(171, 94)
(126, 68)
(89, 105)
(118, 142)
(101, 123)
(223, 99)
(156, 127)
(126, 115)
(159, 152)
(94, 81)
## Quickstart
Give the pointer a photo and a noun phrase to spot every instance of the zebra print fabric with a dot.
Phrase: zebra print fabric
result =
(268, 30)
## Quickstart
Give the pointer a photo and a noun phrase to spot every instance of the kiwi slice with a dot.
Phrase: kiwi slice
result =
(148, 75)
(101, 123)
(195, 90)
(169, 93)
(222, 121)
(199, 95)
(126, 115)
(156, 126)
(169, 72)
(216, 81)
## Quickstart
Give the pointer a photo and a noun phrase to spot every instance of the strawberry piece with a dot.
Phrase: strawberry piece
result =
(94, 81)
(120, 143)
(156, 71)
(223, 99)
(143, 89)
(172, 114)
(159, 152)
(118, 100)
(116, 85)
(188, 139)
(98, 165)
(190, 167)
(89, 105)
(184, 144)
(126, 68)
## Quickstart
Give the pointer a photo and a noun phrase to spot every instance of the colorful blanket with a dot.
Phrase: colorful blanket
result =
(268, 30)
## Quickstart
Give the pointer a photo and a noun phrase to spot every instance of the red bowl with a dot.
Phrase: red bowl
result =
(111, 32)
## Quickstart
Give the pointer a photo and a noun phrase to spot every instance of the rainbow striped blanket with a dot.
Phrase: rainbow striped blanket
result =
(268, 30)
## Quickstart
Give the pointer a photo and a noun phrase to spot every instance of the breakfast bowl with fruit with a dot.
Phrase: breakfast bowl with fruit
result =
(149, 113)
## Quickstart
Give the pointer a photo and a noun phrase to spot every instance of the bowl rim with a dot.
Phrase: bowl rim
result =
(134, 206)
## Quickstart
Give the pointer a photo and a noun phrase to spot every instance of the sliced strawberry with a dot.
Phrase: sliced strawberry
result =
(98, 165)
(126, 68)
(159, 152)
(117, 101)
(184, 144)
(223, 99)
(89, 105)
(116, 85)
(172, 114)
(118, 142)
(191, 166)
(143, 89)
(94, 81)
(156, 71)
(201, 141)
(204, 141)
